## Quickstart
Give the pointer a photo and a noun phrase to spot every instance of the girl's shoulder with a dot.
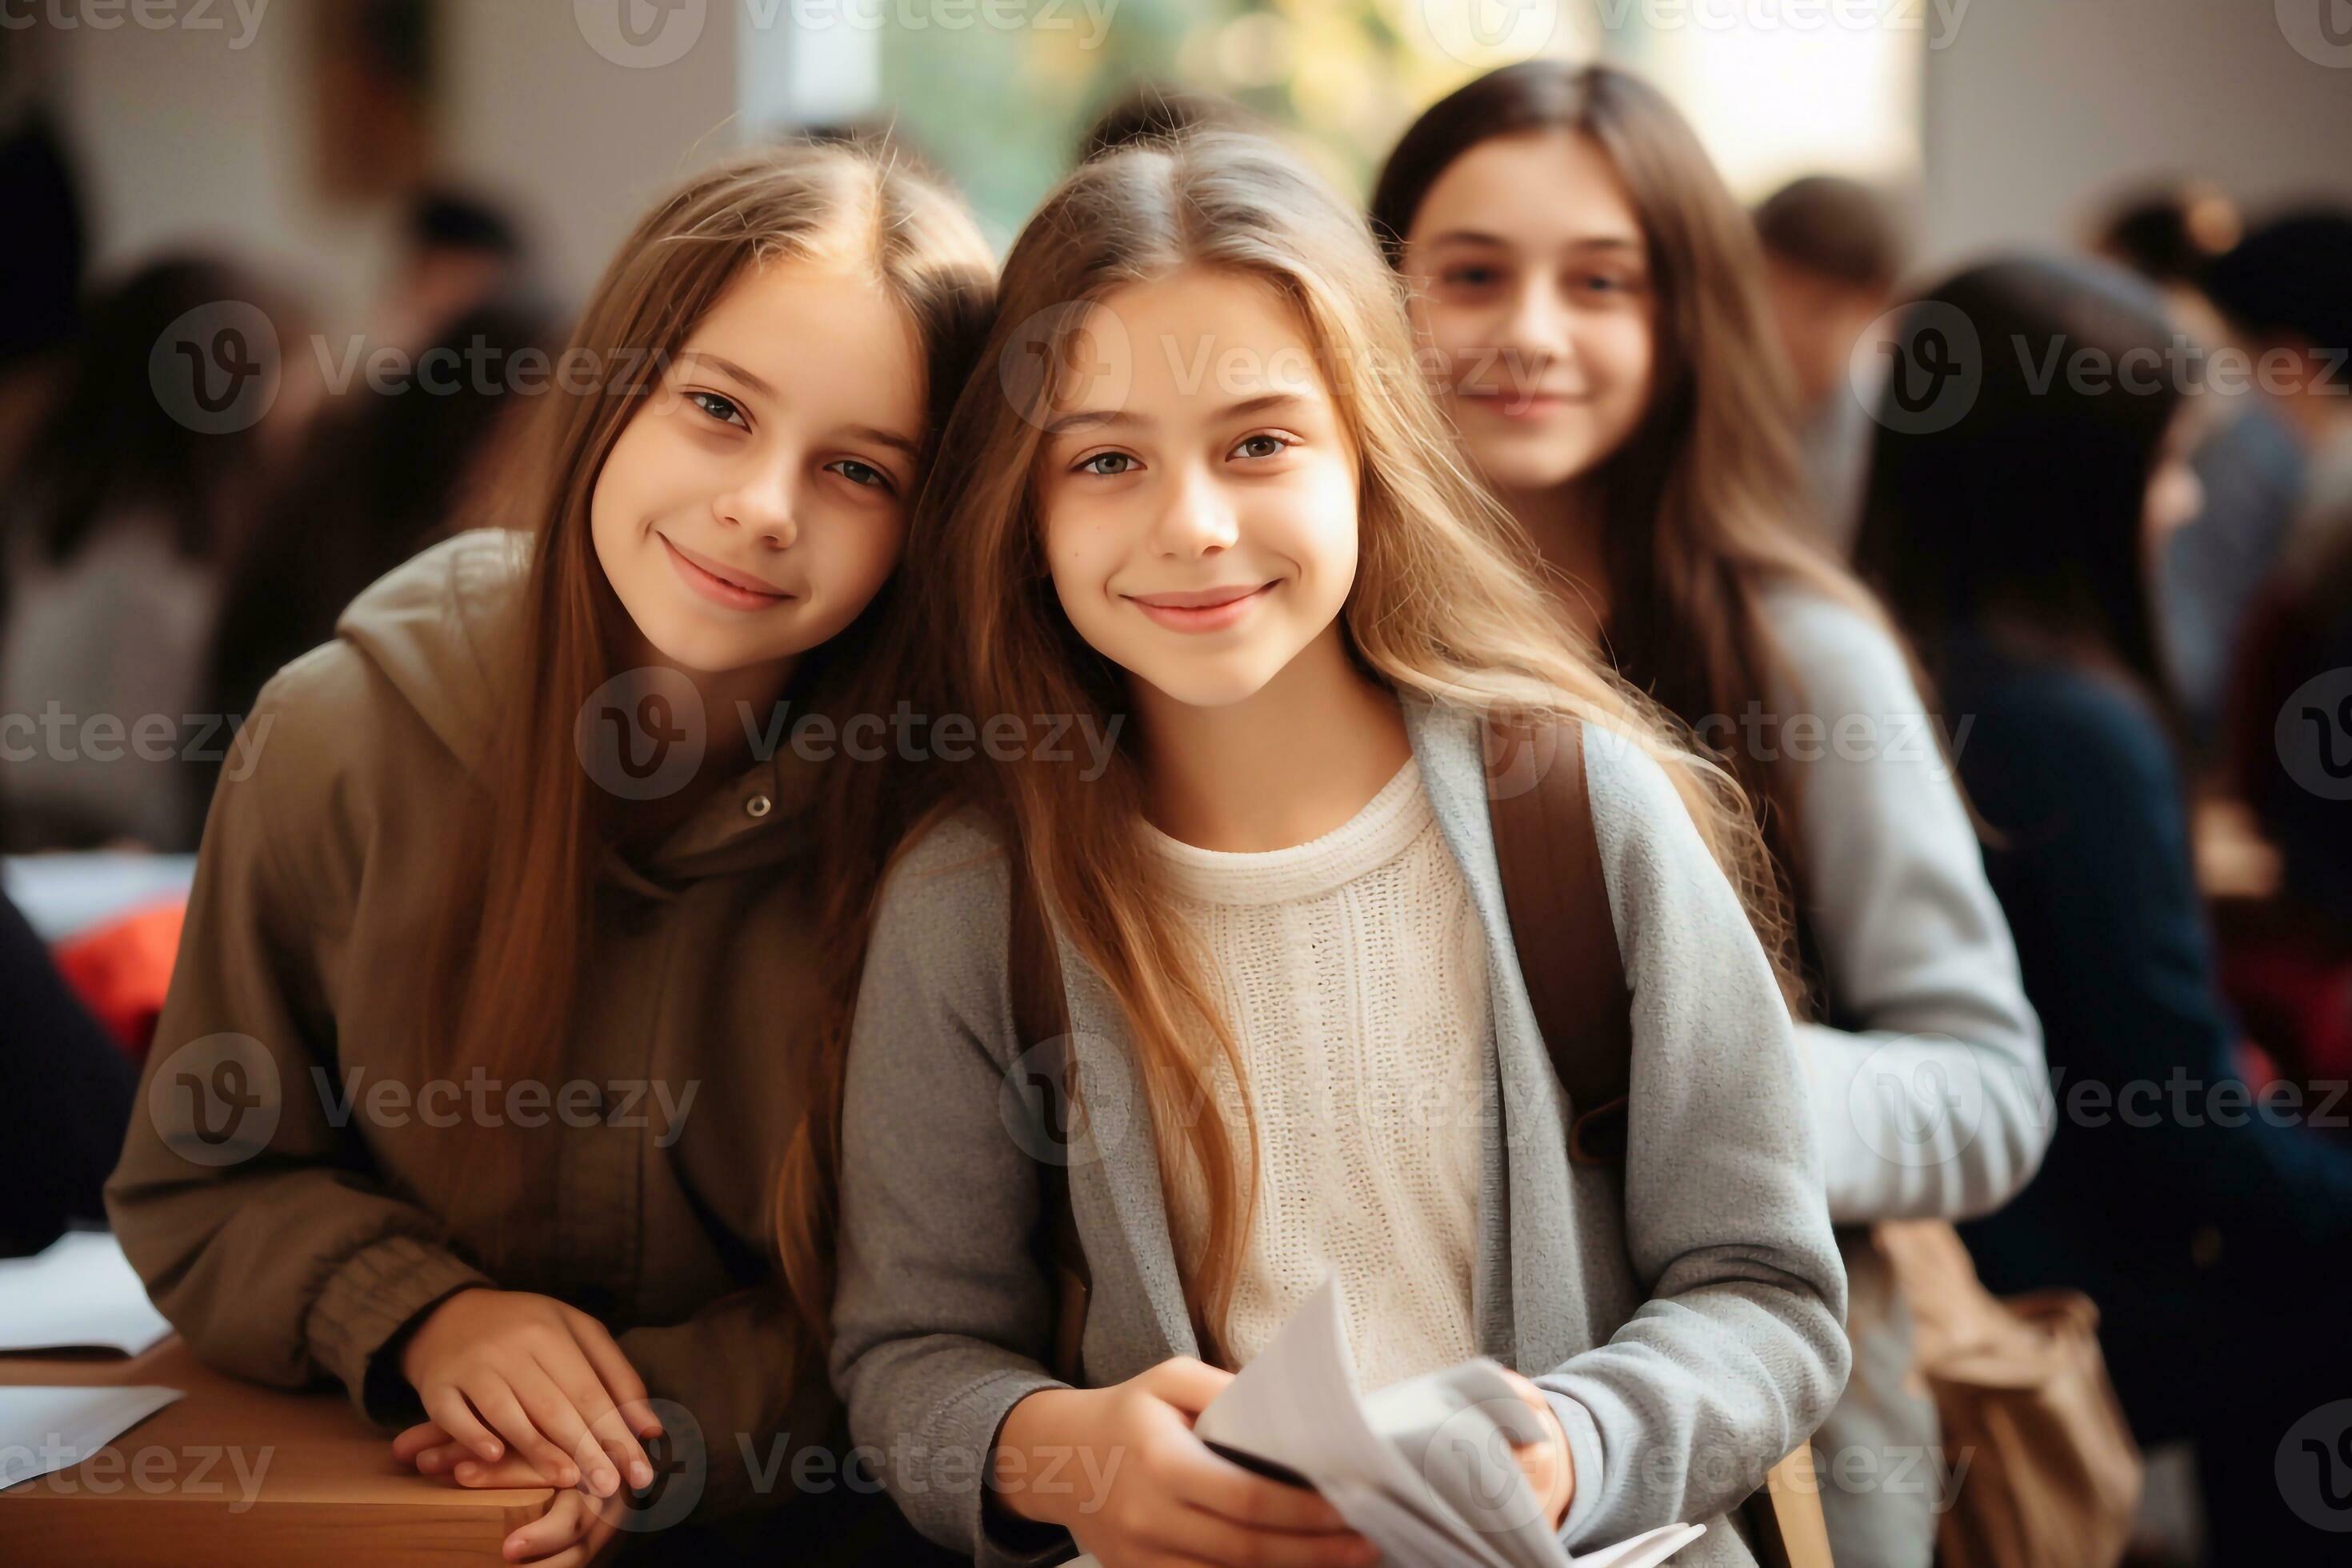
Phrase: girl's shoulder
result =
(951, 876)
(1841, 654)
(400, 701)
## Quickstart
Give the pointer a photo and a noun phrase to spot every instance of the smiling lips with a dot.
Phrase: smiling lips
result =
(1201, 610)
(720, 583)
(1515, 402)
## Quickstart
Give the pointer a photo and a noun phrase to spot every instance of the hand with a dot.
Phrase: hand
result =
(434, 1453)
(1162, 1497)
(574, 1531)
(1549, 1469)
(547, 1378)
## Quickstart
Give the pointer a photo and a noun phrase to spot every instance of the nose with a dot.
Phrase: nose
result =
(1536, 334)
(761, 504)
(1196, 519)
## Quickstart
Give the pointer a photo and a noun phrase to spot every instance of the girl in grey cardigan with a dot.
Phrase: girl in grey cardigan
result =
(1227, 516)
(1563, 225)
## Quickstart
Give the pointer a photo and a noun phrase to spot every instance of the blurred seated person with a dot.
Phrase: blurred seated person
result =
(2287, 287)
(385, 475)
(2247, 461)
(459, 252)
(1834, 250)
(2209, 1224)
(114, 527)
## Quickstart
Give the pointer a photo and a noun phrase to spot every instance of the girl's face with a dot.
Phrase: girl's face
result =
(1197, 487)
(758, 501)
(1530, 278)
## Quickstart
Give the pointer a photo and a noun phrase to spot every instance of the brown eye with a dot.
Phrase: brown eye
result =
(719, 408)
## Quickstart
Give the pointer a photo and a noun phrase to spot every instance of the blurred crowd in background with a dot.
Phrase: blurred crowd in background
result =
(151, 563)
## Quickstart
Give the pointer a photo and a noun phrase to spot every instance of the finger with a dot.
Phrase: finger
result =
(1194, 1533)
(449, 1410)
(619, 1378)
(512, 1471)
(418, 1439)
(1187, 1385)
(554, 1412)
(563, 1523)
(576, 1377)
(502, 1409)
(587, 1550)
(445, 1458)
(1219, 1487)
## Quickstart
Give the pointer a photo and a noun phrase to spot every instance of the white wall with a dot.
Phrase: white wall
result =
(182, 137)
(2039, 112)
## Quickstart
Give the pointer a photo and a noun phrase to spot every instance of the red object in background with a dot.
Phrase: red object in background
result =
(121, 967)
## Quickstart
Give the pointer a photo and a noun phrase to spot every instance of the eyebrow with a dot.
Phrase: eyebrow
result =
(875, 434)
(1097, 418)
(1480, 237)
(732, 368)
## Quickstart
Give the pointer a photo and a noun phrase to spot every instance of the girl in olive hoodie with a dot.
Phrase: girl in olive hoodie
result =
(493, 1018)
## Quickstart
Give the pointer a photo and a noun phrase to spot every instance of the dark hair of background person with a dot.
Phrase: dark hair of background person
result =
(1838, 228)
(107, 442)
(378, 480)
(1155, 111)
(451, 220)
(1703, 506)
(2171, 234)
(40, 284)
(2291, 277)
(2028, 514)
(41, 266)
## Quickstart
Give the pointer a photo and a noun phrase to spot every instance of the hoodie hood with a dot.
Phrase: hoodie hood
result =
(431, 622)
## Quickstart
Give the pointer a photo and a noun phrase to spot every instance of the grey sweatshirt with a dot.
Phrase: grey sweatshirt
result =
(1937, 1104)
(1684, 1316)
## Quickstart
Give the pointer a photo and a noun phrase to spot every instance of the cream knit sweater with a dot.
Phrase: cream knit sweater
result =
(1353, 974)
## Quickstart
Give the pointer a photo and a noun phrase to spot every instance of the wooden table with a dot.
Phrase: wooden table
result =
(318, 1484)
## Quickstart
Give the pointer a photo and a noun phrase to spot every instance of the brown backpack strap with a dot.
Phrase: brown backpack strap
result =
(1567, 940)
(1558, 896)
(1041, 1013)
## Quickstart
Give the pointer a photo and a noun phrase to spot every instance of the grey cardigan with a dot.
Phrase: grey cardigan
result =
(1932, 1101)
(1679, 1379)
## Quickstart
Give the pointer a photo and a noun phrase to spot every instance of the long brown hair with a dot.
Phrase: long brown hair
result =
(503, 963)
(1702, 506)
(1445, 603)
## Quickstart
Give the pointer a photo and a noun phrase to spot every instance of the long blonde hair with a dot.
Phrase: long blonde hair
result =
(510, 936)
(1446, 602)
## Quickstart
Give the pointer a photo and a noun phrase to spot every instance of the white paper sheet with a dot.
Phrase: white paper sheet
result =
(45, 1429)
(1296, 1405)
(79, 1293)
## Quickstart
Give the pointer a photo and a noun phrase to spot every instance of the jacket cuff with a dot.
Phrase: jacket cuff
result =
(1584, 1455)
(970, 1426)
(370, 1297)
